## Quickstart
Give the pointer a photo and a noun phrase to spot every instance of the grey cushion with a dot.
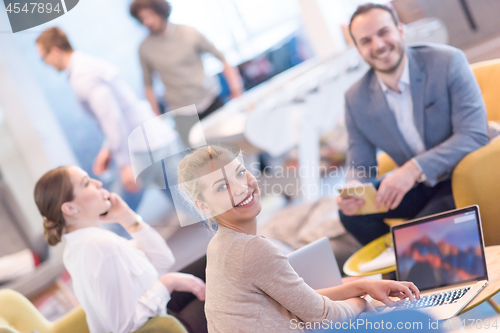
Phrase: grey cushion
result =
(17, 236)
(34, 283)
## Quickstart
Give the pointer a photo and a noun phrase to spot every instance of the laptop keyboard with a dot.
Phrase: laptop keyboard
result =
(444, 298)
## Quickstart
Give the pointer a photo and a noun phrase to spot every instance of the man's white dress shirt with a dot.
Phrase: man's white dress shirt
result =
(106, 96)
(401, 104)
(116, 280)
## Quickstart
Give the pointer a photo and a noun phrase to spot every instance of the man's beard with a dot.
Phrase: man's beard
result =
(400, 48)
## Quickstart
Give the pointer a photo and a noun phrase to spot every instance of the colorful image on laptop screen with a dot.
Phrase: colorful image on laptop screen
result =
(440, 252)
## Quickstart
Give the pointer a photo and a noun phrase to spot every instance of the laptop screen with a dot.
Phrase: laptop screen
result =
(441, 250)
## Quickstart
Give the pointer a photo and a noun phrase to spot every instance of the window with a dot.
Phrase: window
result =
(242, 29)
(260, 16)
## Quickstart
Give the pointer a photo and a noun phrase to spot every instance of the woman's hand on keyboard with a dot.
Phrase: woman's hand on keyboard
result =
(383, 289)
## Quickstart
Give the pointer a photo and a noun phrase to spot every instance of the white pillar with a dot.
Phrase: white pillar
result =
(322, 21)
(31, 140)
(309, 157)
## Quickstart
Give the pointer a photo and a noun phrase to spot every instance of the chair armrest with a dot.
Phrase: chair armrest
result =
(7, 329)
(74, 321)
(19, 313)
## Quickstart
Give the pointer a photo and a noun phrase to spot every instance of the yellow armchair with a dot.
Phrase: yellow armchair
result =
(476, 181)
(162, 324)
(385, 164)
(74, 322)
(487, 74)
(19, 315)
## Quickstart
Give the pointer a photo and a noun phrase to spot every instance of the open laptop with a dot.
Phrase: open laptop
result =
(316, 264)
(443, 255)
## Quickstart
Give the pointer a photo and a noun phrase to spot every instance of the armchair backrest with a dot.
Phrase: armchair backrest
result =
(475, 179)
(16, 234)
(475, 182)
(6, 329)
(385, 163)
(74, 322)
(487, 74)
(19, 314)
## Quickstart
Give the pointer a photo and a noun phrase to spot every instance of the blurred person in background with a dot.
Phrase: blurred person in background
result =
(174, 51)
(105, 95)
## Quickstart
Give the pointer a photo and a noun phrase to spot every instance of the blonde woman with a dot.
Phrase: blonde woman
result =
(120, 284)
(250, 283)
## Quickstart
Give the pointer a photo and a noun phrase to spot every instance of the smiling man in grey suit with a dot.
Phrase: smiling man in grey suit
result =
(419, 104)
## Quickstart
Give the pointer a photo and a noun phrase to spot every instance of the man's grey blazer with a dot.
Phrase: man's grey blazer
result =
(448, 110)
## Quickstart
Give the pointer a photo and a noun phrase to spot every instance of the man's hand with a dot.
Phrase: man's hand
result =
(151, 97)
(349, 206)
(236, 92)
(234, 81)
(127, 178)
(381, 290)
(101, 162)
(394, 187)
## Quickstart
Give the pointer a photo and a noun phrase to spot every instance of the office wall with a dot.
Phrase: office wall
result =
(484, 13)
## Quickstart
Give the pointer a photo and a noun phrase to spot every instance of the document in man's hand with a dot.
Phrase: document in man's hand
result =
(367, 192)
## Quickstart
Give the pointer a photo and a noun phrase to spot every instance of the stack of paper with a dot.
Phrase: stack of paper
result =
(385, 259)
